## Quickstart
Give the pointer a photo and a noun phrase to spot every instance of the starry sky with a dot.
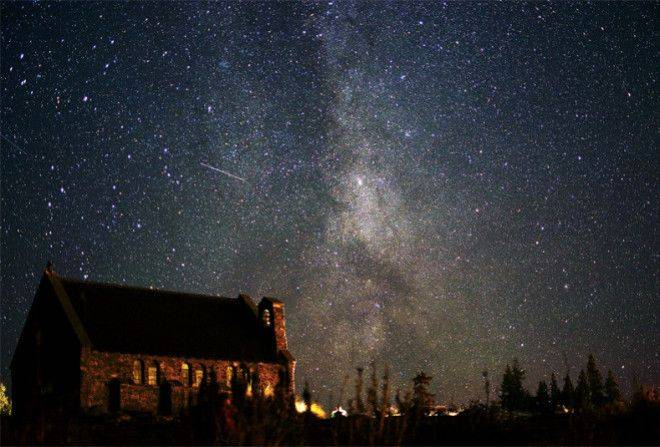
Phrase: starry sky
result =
(436, 186)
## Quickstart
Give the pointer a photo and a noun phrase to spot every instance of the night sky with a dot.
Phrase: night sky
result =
(439, 187)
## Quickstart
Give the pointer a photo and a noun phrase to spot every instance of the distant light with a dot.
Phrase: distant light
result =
(339, 411)
(316, 409)
(359, 181)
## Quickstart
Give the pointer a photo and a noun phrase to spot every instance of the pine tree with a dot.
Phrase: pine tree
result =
(595, 381)
(486, 386)
(307, 397)
(582, 395)
(568, 393)
(403, 404)
(385, 396)
(542, 398)
(519, 393)
(359, 405)
(399, 402)
(422, 399)
(372, 392)
(612, 393)
(513, 394)
(506, 396)
(555, 394)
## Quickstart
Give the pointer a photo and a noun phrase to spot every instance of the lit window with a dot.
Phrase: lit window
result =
(266, 317)
(152, 375)
(199, 376)
(230, 375)
(138, 372)
(268, 390)
(185, 374)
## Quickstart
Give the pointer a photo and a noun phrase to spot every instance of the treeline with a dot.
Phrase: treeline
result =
(378, 400)
(590, 393)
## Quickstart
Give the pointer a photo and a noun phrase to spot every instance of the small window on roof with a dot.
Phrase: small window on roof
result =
(266, 317)
(185, 374)
(138, 372)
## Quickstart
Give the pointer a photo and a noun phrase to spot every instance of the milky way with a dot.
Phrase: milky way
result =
(437, 187)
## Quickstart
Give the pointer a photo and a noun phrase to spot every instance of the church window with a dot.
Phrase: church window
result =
(152, 375)
(138, 372)
(266, 317)
(268, 390)
(199, 376)
(185, 374)
(230, 375)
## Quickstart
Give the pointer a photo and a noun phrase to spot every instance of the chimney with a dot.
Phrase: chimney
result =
(271, 318)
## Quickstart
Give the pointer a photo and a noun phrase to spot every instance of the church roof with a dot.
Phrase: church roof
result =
(126, 319)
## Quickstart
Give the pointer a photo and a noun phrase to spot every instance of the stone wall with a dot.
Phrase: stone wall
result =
(98, 368)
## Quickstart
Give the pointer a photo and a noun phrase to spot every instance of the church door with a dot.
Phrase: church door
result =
(114, 396)
(165, 398)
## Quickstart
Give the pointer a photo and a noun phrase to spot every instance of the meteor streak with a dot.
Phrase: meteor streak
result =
(228, 174)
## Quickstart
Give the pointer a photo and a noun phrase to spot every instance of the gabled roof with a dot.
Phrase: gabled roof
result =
(126, 319)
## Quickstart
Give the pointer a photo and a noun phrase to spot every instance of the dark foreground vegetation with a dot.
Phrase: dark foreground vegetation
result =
(591, 413)
(478, 426)
(634, 428)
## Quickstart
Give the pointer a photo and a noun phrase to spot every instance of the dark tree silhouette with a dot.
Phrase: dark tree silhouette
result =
(513, 394)
(307, 397)
(422, 399)
(486, 386)
(595, 381)
(582, 395)
(543, 404)
(359, 404)
(555, 394)
(612, 393)
(568, 393)
(385, 397)
(505, 389)
(403, 404)
(372, 392)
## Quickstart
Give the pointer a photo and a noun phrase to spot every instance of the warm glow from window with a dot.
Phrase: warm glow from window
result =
(199, 376)
(317, 409)
(230, 375)
(152, 375)
(268, 391)
(185, 374)
(138, 372)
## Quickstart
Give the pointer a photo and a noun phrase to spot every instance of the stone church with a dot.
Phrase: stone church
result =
(105, 348)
